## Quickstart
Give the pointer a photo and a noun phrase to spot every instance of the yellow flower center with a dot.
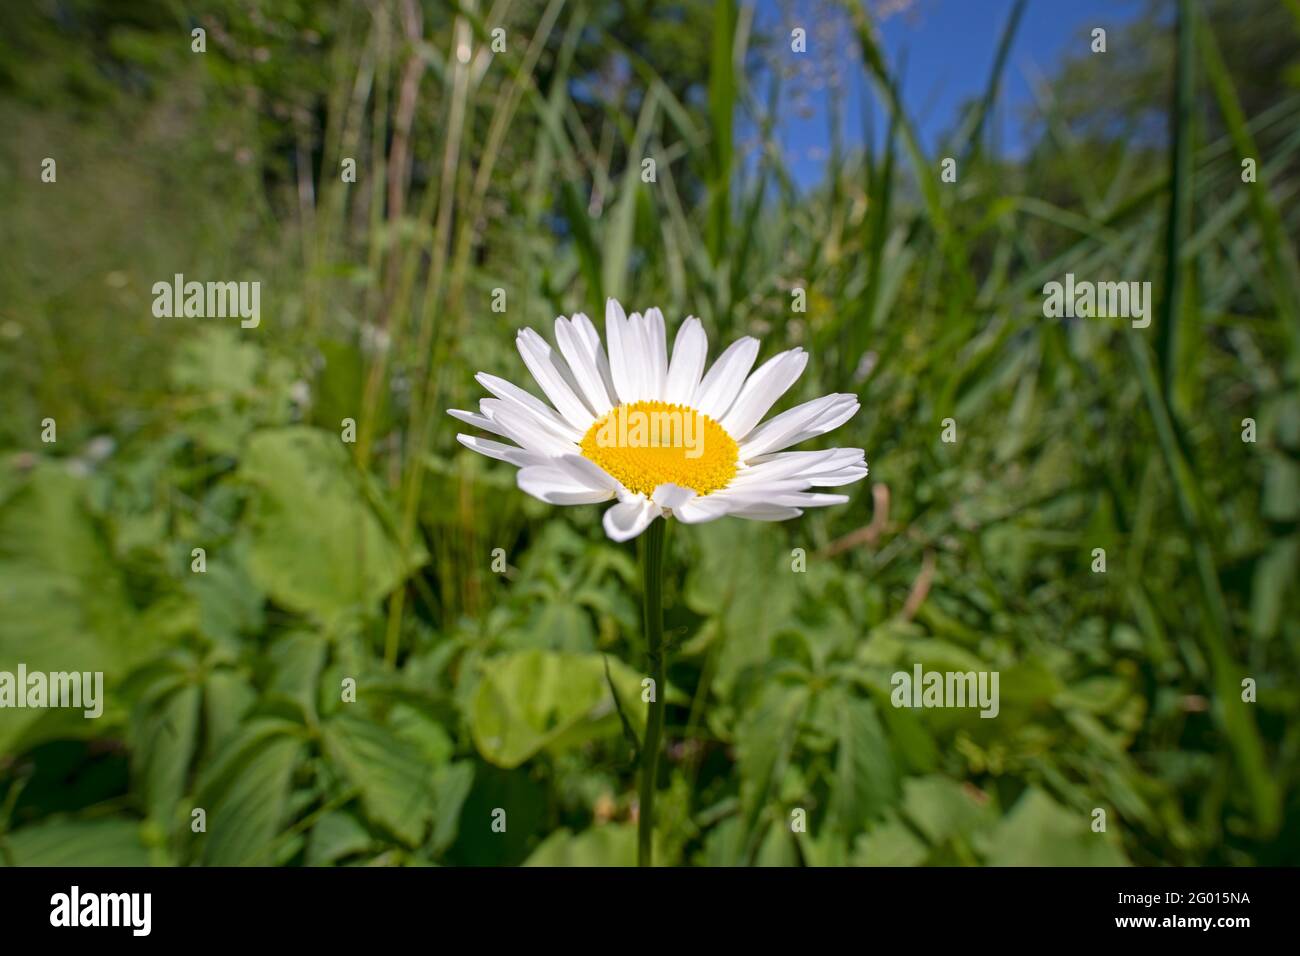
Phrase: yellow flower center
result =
(647, 444)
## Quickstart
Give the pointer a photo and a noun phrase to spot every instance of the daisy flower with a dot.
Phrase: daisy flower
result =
(660, 436)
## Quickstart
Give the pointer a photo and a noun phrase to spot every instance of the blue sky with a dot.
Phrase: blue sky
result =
(947, 47)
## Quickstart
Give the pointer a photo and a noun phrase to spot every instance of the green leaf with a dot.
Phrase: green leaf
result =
(65, 606)
(1040, 832)
(779, 847)
(224, 371)
(318, 546)
(297, 659)
(738, 580)
(612, 845)
(1276, 569)
(229, 602)
(535, 699)
(81, 843)
(940, 808)
(764, 739)
(392, 774)
(227, 697)
(422, 729)
(336, 834)
(216, 362)
(451, 785)
(557, 627)
(866, 780)
(889, 843)
(163, 741)
(246, 793)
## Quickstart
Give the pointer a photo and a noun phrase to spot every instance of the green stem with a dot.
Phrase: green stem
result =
(652, 571)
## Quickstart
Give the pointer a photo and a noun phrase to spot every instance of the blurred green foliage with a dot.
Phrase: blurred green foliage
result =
(333, 567)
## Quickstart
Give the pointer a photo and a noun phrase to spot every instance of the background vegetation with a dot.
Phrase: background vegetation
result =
(521, 171)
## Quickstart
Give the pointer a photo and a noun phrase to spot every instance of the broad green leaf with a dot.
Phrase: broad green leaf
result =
(216, 362)
(245, 792)
(164, 739)
(227, 697)
(297, 659)
(889, 843)
(392, 774)
(79, 843)
(424, 730)
(223, 371)
(556, 627)
(764, 739)
(866, 779)
(530, 700)
(742, 579)
(610, 845)
(64, 601)
(318, 546)
(229, 602)
(1040, 832)
(940, 807)
(724, 844)
(336, 834)
(451, 785)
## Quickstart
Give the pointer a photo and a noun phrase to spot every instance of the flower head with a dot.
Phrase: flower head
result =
(661, 436)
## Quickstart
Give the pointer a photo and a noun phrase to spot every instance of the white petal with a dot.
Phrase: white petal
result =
(583, 325)
(555, 379)
(670, 497)
(770, 502)
(766, 512)
(723, 383)
(834, 466)
(512, 394)
(762, 390)
(618, 341)
(808, 499)
(495, 449)
(799, 424)
(657, 366)
(690, 351)
(524, 430)
(629, 518)
(636, 353)
(588, 330)
(475, 419)
(557, 486)
(699, 510)
(582, 363)
(832, 457)
(828, 421)
(591, 474)
(776, 497)
(785, 464)
(767, 436)
(845, 476)
(758, 490)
